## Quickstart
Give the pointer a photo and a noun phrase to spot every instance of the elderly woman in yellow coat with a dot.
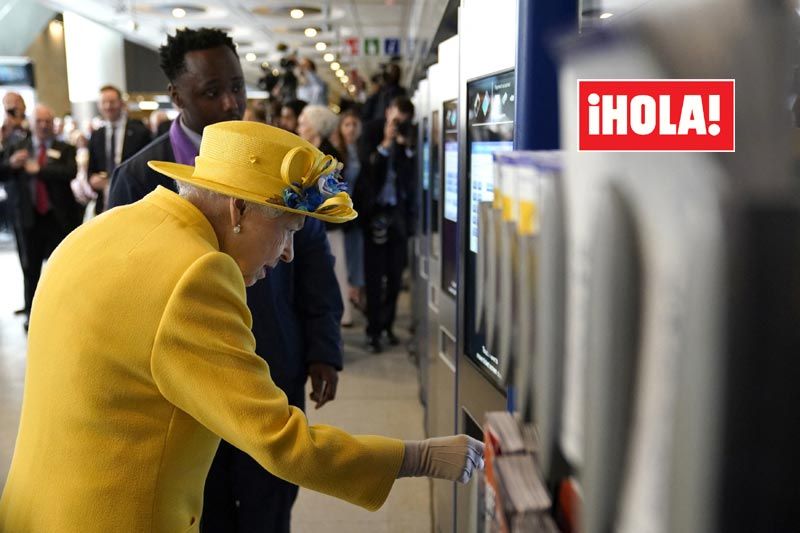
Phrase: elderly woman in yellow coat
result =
(133, 378)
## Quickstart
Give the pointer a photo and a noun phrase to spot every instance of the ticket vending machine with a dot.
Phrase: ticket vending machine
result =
(443, 114)
(419, 246)
(486, 101)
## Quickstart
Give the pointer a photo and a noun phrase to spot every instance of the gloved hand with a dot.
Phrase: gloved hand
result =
(452, 458)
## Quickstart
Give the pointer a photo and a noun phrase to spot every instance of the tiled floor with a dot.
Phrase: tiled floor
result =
(377, 394)
(12, 352)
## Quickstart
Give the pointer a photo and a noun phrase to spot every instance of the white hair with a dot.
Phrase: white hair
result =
(218, 202)
(321, 119)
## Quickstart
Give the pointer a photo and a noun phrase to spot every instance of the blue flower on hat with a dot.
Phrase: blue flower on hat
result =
(312, 198)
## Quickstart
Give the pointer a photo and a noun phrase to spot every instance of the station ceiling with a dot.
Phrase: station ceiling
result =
(259, 26)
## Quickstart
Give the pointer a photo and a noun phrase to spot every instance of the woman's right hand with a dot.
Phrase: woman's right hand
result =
(453, 458)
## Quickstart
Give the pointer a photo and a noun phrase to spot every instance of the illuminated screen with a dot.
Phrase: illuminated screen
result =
(17, 74)
(436, 141)
(450, 211)
(490, 128)
(426, 174)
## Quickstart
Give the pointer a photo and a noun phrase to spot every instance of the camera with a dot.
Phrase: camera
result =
(288, 63)
(281, 81)
(405, 128)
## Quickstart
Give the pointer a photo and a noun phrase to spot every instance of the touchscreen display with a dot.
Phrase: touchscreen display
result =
(435, 180)
(426, 175)
(450, 187)
(490, 129)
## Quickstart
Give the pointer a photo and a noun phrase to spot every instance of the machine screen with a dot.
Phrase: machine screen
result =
(490, 128)
(435, 180)
(426, 174)
(450, 212)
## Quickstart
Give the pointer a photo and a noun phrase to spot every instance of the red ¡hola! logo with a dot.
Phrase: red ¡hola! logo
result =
(656, 115)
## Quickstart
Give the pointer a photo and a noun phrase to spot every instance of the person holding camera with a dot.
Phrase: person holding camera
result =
(310, 87)
(385, 201)
(388, 88)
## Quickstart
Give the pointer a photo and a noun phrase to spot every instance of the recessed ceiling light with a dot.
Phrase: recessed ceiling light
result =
(311, 32)
(296, 13)
(352, 88)
(250, 56)
(321, 46)
(275, 72)
(265, 65)
(56, 28)
(329, 57)
(340, 73)
(606, 15)
(178, 13)
(335, 66)
(344, 79)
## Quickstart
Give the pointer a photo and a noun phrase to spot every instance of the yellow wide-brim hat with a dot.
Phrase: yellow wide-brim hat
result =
(266, 165)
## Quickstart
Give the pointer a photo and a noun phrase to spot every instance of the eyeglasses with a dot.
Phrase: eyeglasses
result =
(14, 112)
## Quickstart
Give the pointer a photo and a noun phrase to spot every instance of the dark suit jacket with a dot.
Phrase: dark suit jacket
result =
(57, 172)
(374, 170)
(137, 136)
(296, 309)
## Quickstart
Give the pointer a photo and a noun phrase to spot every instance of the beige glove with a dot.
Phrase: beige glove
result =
(452, 458)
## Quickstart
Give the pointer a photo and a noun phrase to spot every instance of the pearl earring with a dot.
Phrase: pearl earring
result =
(237, 228)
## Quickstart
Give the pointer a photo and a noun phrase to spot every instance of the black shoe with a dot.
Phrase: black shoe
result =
(374, 345)
(392, 338)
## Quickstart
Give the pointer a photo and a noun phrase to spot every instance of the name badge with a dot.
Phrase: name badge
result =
(53, 154)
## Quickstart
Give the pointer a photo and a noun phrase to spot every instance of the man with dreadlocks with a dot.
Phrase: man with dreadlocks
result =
(296, 309)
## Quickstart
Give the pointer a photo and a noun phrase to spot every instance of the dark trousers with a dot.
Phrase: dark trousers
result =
(242, 497)
(34, 245)
(383, 274)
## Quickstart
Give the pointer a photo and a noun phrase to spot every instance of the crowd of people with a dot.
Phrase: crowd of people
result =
(300, 306)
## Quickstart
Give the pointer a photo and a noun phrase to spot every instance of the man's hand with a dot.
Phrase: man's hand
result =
(98, 180)
(389, 134)
(32, 167)
(18, 158)
(324, 379)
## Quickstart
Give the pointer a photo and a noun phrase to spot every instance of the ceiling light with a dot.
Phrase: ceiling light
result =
(178, 13)
(265, 65)
(344, 79)
(296, 13)
(56, 28)
(340, 73)
(250, 56)
(148, 105)
(311, 32)
(275, 72)
(329, 57)
(321, 46)
(606, 15)
(352, 88)
(335, 66)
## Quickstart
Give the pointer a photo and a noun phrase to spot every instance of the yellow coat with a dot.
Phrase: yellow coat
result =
(140, 358)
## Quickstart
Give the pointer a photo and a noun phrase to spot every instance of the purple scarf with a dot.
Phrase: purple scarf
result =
(182, 146)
